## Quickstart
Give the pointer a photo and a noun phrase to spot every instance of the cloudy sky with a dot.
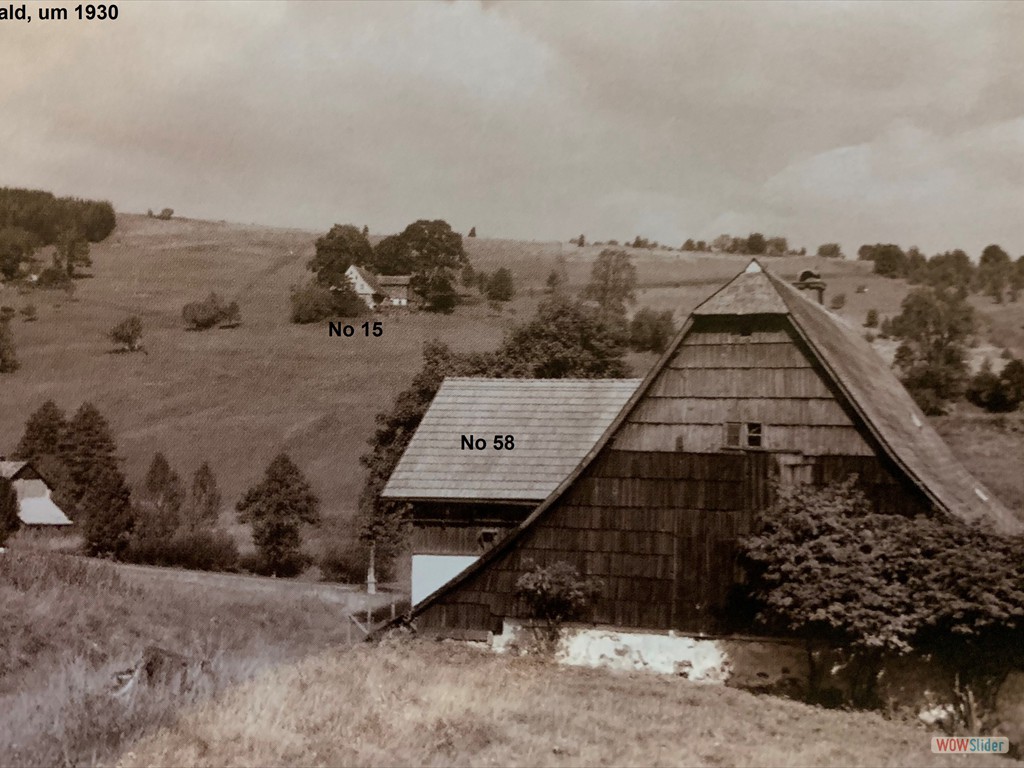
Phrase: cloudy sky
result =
(840, 121)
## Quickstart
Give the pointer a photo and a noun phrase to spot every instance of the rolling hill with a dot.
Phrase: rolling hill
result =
(237, 396)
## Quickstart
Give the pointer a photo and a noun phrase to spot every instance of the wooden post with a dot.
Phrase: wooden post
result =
(392, 610)
(348, 628)
(371, 576)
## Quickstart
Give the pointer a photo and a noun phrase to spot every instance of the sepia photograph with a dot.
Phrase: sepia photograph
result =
(511, 383)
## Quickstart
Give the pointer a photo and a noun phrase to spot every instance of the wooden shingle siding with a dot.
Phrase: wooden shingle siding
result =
(717, 411)
(741, 382)
(657, 510)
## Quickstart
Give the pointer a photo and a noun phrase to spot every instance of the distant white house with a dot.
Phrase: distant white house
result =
(35, 507)
(379, 290)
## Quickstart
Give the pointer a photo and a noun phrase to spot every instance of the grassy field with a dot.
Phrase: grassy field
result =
(236, 397)
(431, 704)
(69, 624)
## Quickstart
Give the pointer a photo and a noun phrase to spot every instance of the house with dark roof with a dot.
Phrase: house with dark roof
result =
(379, 290)
(761, 385)
(35, 507)
(486, 453)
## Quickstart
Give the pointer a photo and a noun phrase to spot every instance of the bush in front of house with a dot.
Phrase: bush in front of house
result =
(347, 562)
(828, 568)
(555, 594)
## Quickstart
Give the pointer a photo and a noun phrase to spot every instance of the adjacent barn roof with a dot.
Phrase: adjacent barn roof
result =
(393, 280)
(9, 469)
(854, 368)
(554, 423)
(40, 510)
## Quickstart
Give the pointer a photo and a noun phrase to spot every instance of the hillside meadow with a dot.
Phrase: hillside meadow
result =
(71, 624)
(237, 396)
(444, 704)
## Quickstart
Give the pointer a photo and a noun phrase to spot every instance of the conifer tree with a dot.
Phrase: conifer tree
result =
(88, 447)
(44, 431)
(276, 508)
(204, 502)
(9, 520)
(109, 518)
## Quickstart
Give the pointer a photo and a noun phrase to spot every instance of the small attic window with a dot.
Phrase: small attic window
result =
(733, 430)
(754, 434)
(679, 442)
(487, 537)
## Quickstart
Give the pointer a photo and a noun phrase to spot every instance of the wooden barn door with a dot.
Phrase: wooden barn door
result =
(705, 567)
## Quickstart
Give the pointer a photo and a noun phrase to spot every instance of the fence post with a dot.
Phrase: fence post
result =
(392, 610)
(348, 628)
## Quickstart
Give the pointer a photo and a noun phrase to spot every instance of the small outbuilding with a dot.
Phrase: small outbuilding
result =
(36, 508)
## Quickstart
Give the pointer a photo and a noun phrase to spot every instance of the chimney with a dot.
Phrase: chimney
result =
(811, 281)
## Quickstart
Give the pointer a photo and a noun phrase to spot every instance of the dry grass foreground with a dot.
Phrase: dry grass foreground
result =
(69, 625)
(443, 704)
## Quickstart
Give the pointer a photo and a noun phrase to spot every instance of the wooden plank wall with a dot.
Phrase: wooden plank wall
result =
(658, 514)
(720, 375)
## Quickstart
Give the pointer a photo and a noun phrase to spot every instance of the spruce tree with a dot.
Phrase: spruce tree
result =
(164, 492)
(88, 446)
(109, 518)
(276, 508)
(9, 520)
(44, 431)
(204, 501)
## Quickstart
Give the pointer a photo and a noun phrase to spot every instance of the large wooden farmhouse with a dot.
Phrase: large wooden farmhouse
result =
(35, 507)
(761, 384)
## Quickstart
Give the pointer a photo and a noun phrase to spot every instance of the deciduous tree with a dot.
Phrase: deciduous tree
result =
(276, 508)
(612, 282)
(933, 326)
(343, 246)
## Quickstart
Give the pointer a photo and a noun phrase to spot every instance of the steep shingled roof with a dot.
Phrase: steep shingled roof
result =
(873, 390)
(554, 423)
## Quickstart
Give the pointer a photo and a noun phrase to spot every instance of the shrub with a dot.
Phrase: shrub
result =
(127, 333)
(29, 313)
(290, 565)
(166, 214)
(53, 277)
(348, 561)
(311, 303)
(838, 301)
(871, 321)
(651, 331)
(829, 568)
(997, 393)
(202, 549)
(203, 315)
(555, 594)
